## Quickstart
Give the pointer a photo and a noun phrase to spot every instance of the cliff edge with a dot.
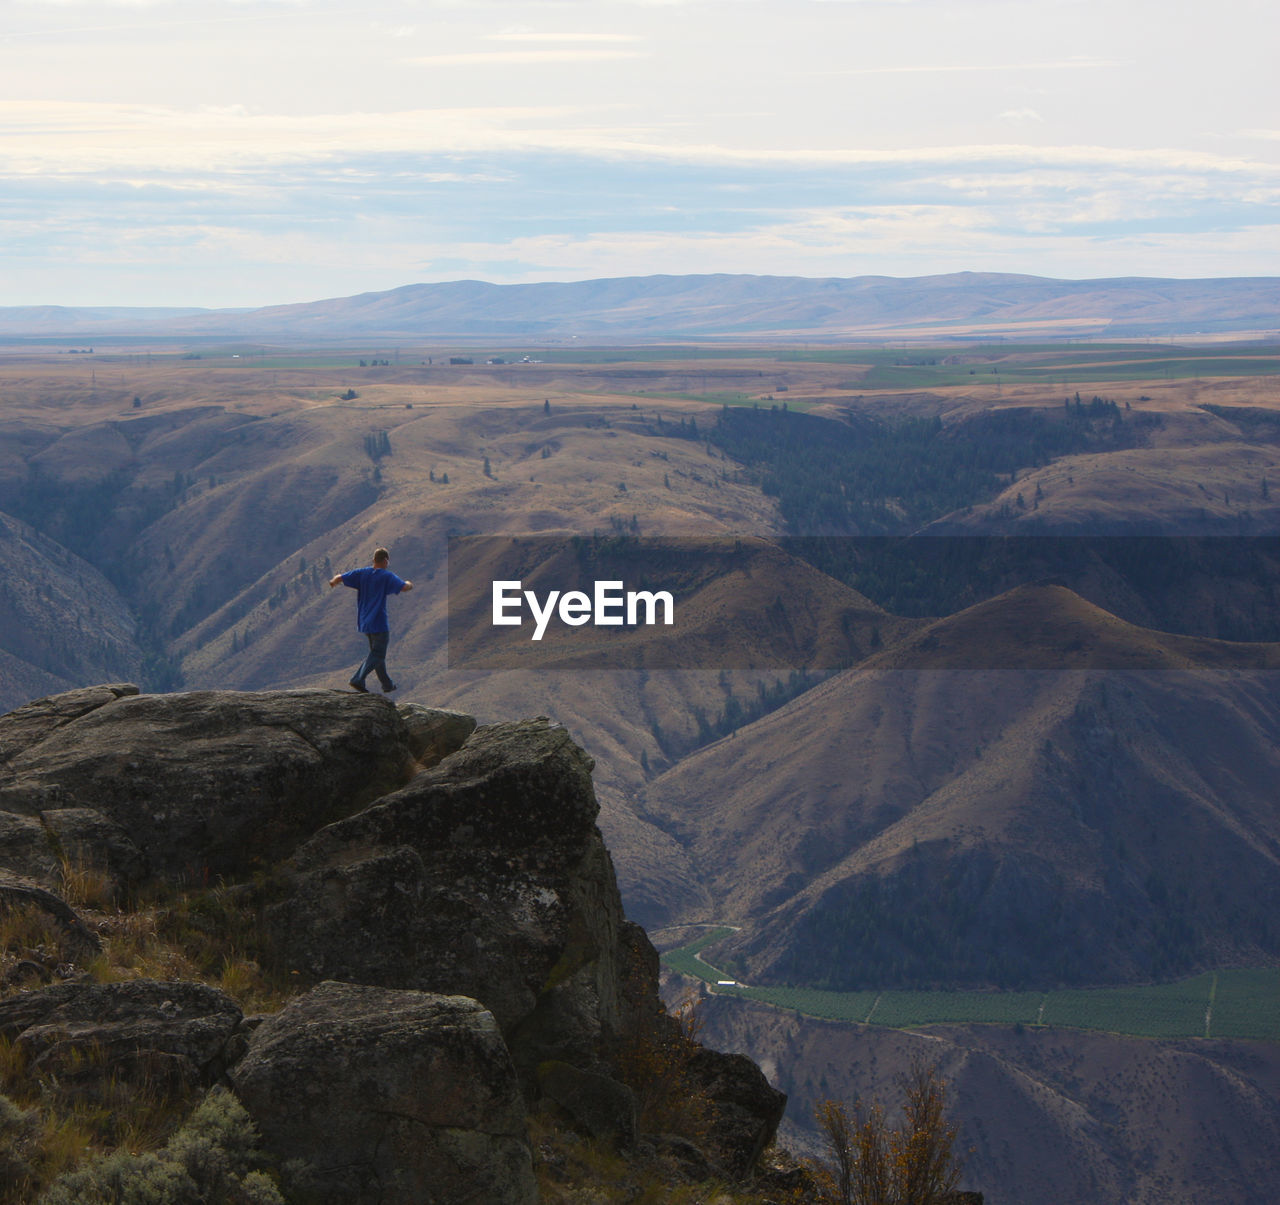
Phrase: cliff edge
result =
(432, 901)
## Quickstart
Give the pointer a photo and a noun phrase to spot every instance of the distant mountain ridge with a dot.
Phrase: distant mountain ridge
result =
(665, 308)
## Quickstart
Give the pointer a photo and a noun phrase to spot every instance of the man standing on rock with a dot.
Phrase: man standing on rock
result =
(374, 583)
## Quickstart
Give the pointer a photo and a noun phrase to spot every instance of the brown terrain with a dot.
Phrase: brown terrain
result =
(174, 520)
(1044, 1114)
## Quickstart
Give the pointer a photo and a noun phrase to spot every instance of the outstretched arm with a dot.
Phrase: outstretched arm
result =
(406, 588)
(334, 580)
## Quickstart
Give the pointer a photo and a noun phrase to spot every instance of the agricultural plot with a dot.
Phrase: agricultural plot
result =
(903, 1010)
(1084, 363)
(1221, 1004)
(685, 959)
(835, 1006)
(1247, 1005)
(1167, 1010)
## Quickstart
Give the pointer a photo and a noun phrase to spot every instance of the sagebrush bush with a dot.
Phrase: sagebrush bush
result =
(214, 1159)
(19, 1149)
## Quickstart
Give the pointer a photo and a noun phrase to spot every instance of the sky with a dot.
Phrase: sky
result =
(254, 152)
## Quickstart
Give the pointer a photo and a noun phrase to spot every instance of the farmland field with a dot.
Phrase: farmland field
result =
(1221, 1004)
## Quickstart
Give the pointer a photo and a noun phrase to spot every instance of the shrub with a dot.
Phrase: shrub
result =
(653, 1061)
(19, 1150)
(214, 1158)
(873, 1164)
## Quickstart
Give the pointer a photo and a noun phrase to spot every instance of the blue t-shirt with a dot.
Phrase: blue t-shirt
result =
(371, 605)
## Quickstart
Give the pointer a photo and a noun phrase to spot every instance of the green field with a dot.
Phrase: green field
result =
(1062, 365)
(1219, 1004)
(921, 367)
(685, 960)
(1051, 364)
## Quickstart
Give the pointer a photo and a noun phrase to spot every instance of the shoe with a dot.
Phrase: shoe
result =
(386, 690)
(360, 686)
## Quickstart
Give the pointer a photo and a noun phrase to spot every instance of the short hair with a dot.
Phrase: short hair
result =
(380, 554)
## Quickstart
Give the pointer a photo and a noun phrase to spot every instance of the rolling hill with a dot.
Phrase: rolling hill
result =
(680, 308)
(1045, 784)
(1001, 827)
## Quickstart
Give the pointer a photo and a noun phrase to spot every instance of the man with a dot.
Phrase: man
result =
(373, 583)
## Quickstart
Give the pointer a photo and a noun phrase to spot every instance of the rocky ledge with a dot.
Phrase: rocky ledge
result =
(438, 893)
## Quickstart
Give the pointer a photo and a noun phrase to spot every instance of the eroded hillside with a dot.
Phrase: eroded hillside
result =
(1025, 775)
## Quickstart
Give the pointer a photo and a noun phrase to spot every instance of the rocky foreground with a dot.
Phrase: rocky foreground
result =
(437, 897)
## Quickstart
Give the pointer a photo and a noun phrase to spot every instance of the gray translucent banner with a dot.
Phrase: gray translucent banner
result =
(820, 604)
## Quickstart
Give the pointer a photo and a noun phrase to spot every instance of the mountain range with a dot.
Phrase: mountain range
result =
(734, 307)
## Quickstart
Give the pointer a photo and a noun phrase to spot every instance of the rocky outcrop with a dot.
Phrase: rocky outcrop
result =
(390, 1098)
(435, 732)
(25, 727)
(174, 1034)
(444, 885)
(598, 1104)
(483, 877)
(206, 783)
(748, 1108)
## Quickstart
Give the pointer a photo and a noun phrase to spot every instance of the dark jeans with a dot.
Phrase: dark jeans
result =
(376, 661)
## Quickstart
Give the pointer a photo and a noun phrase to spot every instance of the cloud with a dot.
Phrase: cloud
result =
(91, 4)
(81, 138)
(485, 58)
(527, 35)
(1080, 64)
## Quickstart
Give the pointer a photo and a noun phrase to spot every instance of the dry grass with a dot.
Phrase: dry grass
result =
(86, 886)
(206, 936)
(26, 926)
(57, 1134)
(572, 1170)
(87, 1103)
(84, 1104)
(34, 1150)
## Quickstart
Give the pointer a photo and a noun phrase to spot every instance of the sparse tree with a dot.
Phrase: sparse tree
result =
(871, 1163)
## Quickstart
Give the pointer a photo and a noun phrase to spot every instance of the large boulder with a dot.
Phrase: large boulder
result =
(174, 1034)
(748, 1109)
(390, 1098)
(205, 783)
(66, 842)
(28, 725)
(486, 877)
